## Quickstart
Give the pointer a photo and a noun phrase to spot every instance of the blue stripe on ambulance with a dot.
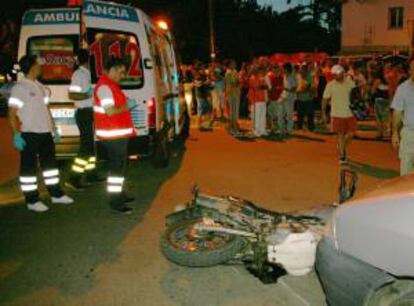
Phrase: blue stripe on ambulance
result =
(47, 17)
(109, 11)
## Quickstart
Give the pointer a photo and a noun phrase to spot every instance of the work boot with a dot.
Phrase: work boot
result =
(93, 177)
(118, 205)
(121, 209)
(127, 199)
(74, 183)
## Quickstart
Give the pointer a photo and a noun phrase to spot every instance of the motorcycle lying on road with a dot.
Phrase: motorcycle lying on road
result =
(211, 230)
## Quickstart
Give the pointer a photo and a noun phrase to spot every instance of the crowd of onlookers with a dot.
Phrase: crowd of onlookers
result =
(272, 95)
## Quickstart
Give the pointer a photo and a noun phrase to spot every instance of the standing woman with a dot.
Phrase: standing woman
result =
(381, 95)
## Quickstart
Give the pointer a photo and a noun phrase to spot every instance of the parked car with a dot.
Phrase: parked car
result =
(366, 256)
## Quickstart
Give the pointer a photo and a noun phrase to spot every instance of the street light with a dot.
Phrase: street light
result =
(163, 25)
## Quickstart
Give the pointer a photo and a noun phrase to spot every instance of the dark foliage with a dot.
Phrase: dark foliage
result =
(243, 28)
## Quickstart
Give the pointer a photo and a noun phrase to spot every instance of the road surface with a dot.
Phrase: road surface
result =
(84, 255)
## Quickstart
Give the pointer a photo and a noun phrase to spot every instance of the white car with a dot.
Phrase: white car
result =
(367, 254)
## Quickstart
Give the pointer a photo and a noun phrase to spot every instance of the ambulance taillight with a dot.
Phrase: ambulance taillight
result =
(152, 113)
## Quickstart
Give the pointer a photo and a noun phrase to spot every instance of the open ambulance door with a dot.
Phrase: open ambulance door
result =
(111, 30)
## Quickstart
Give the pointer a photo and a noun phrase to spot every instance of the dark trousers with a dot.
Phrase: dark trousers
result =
(306, 109)
(84, 121)
(117, 151)
(244, 103)
(39, 146)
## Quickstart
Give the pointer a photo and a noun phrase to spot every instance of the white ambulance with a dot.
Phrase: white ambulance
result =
(106, 29)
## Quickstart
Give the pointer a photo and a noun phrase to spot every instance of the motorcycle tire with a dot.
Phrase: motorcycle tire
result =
(203, 258)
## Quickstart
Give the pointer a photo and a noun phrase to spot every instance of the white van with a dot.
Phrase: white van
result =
(106, 30)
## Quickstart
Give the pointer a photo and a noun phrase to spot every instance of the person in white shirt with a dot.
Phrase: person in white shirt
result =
(80, 90)
(34, 138)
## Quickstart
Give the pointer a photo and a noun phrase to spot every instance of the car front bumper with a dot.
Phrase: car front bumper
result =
(345, 279)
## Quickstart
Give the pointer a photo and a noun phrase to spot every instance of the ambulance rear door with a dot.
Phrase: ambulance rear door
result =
(113, 30)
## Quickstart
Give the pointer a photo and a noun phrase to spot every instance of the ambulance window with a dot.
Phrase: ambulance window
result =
(57, 55)
(106, 44)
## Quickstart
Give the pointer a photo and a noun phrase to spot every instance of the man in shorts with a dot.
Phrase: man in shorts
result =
(403, 123)
(338, 94)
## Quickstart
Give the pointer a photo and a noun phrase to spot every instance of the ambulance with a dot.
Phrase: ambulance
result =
(107, 30)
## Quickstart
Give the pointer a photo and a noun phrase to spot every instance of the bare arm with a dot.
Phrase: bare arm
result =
(396, 124)
(325, 103)
(14, 120)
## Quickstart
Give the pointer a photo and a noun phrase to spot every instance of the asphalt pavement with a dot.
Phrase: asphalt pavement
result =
(85, 255)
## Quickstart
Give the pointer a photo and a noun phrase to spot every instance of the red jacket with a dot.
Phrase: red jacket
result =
(258, 89)
(118, 126)
(277, 86)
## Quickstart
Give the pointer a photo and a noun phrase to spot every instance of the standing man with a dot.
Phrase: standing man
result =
(34, 137)
(260, 88)
(305, 96)
(114, 127)
(217, 93)
(338, 94)
(276, 82)
(286, 103)
(403, 116)
(233, 95)
(80, 90)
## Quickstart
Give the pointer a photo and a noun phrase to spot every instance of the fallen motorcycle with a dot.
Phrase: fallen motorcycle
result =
(210, 230)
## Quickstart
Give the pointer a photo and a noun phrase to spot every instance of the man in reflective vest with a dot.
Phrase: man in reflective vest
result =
(114, 127)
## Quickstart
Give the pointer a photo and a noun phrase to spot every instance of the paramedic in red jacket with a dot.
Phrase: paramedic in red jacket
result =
(113, 128)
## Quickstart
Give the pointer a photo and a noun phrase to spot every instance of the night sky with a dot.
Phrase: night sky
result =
(280, 5)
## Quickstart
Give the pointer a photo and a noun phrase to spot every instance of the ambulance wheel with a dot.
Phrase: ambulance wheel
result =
(161, 154)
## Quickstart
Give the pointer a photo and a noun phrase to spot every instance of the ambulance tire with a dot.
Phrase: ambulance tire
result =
(161, 153)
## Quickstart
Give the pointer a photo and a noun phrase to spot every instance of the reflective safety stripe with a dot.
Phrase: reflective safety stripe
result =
(92, 159)
(52, 181)
(115, 180)
(107, 102)
(15, 102)
(114, 133)
(27, 179)
(46, 100)
(77, 169)
(32, 187)
(114, 189)
(81, 162)
(51, 173)
(98, 109)
(75, 88)
(90, 167)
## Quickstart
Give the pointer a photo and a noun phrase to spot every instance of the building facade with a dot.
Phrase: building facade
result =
(377, 26)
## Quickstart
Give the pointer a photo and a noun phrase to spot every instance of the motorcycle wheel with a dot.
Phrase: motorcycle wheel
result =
(181, 247)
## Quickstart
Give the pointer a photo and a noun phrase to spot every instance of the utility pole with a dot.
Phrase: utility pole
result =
(212, 35)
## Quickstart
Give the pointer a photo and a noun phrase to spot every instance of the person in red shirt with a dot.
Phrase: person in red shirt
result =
(114, 127)
(276, 82)
(260, 88)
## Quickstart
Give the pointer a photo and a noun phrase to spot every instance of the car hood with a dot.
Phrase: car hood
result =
(378, 227)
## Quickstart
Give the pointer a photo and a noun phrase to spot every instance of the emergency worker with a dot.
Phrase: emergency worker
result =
(35, 136)
(80, 90)
(114, 127)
